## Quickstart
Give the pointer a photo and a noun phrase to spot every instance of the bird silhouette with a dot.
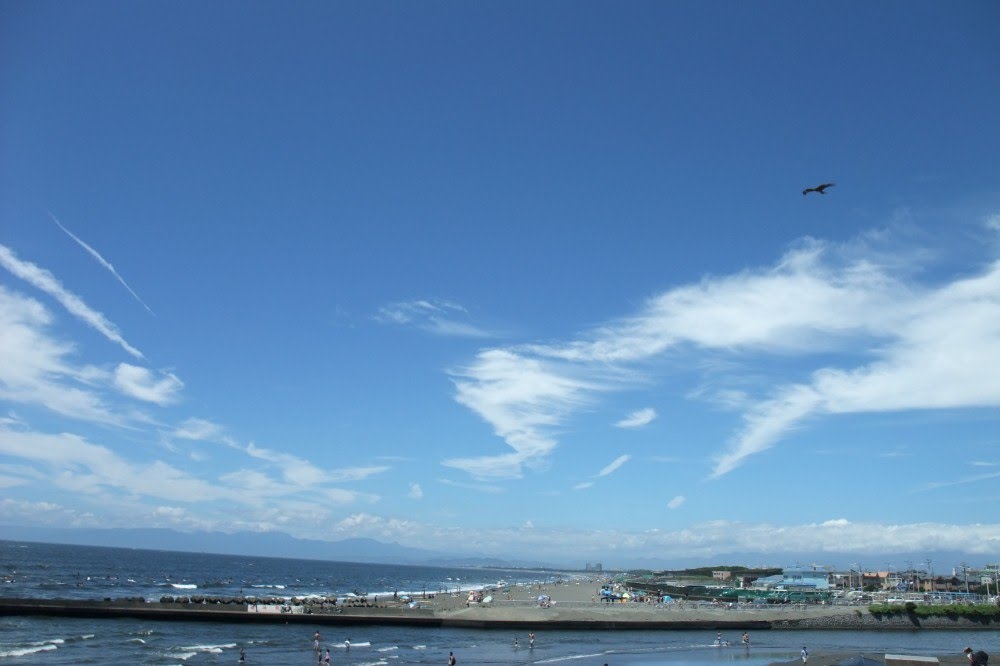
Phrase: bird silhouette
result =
(819, 188)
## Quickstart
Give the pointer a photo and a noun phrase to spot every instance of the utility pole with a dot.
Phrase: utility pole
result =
(965, 571)
(930, 574)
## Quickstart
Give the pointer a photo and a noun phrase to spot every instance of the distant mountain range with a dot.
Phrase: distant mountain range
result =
(278, 544)
(259, 544)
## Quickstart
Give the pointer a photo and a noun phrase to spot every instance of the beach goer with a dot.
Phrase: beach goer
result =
(531, 639)
(805, 654)
(316, 639)
(745, 638)
(451, 659)
(515, 643)
(347, 643)
(326, 659)
(243, 655)
(979, 658)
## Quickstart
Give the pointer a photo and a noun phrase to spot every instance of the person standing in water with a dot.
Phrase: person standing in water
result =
(805, 654)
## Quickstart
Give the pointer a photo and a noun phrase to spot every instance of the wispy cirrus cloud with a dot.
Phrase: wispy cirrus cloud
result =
(487, 488)
(143, 384)
(523, 399)
(638, 418)
(71, 462)
(346, 474)
(36, 368)
(101, 260)
(197, 429)
(45, 281)
(433, 316)
(614, 465)
(293, 469)
(901, 344)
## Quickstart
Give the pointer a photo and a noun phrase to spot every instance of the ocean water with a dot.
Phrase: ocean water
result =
(85, 572)
(37, 570)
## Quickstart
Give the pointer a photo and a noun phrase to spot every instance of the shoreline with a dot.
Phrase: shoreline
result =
(833, 658)
(512, 614)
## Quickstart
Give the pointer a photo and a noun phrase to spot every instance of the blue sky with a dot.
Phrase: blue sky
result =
(520, 278)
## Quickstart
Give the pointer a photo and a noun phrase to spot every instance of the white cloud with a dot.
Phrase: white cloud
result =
(416, 492)
(71, 462)
(438, 317)
(614, 465)
(199, 430)
(975, 478)
(355, 473)
(676, 502)
(36, 368)
(378, 527)
(583, 485)
(44, 280)
(638, 418)
(294, 470)
(943, 346)
(479, 487)
(704, 541)
(523, 399)
(903, 345)
(992, 222)
(12, 481)
(142, 384)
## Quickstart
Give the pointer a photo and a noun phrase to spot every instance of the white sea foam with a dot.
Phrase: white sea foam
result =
(211, 649)
(374, 663)
(388, 649)
(54, 642)
(571, 657)
(24, 651)
(184, 586)
(419, 647)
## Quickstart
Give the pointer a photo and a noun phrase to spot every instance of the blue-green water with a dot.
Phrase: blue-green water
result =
(36, 570)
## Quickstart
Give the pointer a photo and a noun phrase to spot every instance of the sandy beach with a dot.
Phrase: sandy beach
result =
(578, 601)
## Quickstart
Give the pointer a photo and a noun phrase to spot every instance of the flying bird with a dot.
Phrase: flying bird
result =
(819, 188)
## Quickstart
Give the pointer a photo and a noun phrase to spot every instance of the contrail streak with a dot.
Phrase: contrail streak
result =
(101, 260)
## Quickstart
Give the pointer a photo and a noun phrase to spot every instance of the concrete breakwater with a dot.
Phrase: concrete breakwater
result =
(588, 617)
(862, 619)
